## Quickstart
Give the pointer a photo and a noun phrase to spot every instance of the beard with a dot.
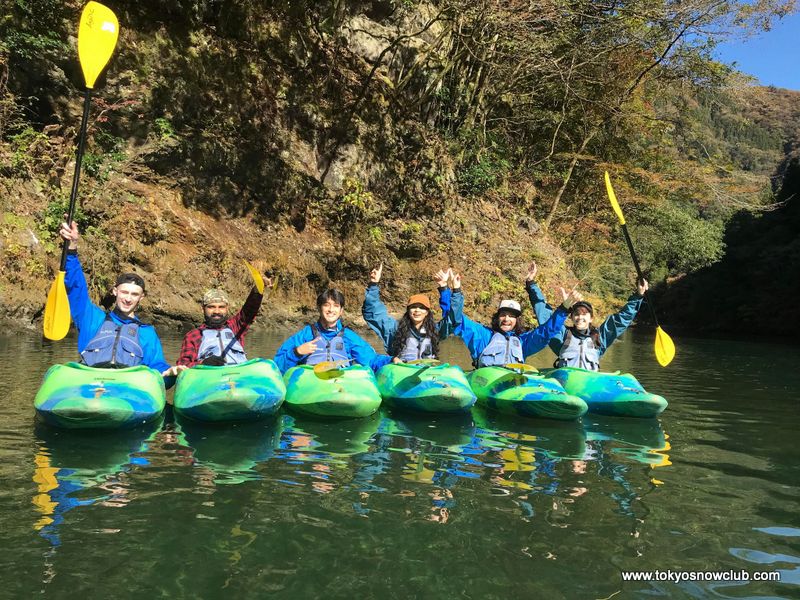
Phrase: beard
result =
(216, 320)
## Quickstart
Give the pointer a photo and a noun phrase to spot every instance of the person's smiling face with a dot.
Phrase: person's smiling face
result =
(128, 297)
(329, 313)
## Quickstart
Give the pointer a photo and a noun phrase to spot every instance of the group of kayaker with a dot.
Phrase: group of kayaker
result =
(117, 338)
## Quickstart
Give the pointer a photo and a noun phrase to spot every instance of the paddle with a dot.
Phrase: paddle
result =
(329, 369)
(219, 361)
(97, 37)
(521, 368)
(664, 346)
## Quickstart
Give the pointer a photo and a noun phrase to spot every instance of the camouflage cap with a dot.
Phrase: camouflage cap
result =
(215, 297)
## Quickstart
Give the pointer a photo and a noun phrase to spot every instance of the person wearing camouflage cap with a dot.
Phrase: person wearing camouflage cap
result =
(220, 339)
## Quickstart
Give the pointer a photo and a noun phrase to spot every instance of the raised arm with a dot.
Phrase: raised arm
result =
(445, 298)
(541, 308)
(87, 316)
(615, 325)
(536, 339)
(374, 311)
(249, 311)
(475, 336)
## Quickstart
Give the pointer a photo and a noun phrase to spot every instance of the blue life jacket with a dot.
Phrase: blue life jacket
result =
(582, 352)
(215, 341)
(327, 350)
(114, 346)
(501, 350)
(417, 346)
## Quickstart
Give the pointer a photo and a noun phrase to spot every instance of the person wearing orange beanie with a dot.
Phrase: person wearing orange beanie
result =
(415, 335)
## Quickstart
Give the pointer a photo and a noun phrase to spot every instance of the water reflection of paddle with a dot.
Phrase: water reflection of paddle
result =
(70, 462)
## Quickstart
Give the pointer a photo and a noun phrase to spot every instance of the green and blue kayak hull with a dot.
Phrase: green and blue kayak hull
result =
(614, 394)
(343, 393)
(524, 394)
(440, 388)
(75, 396)
(251, 390)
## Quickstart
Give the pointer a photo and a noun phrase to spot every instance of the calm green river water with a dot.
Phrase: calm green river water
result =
(402, 507)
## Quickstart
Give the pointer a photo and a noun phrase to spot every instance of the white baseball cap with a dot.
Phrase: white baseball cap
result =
(510, 305)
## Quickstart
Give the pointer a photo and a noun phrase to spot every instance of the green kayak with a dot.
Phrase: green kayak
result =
(432, 387)
(616, 394)
(526, 394)
(341, 392)
(251, 390)
(80, 397)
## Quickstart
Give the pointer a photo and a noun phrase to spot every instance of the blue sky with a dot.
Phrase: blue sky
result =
(772, 57)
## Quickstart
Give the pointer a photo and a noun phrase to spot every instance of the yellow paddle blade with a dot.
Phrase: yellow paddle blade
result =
(97, 38)
(330, 368)
(258, 281)
(521, 367)
(424, 361)
(612, 197)
(56, 311)
(665, 347)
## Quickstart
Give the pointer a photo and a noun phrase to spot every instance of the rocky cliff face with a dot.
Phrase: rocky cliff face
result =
(305, 137)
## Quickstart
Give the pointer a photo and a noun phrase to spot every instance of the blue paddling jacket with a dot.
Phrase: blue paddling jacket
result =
(477, 336)
(385, 326)
(89, 317)
(355, 347)
(613, 327)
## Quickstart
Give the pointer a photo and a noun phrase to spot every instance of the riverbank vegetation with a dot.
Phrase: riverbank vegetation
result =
(322, 138)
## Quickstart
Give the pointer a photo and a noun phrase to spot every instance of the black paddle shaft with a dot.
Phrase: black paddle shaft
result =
(638, 270)
(78, 159)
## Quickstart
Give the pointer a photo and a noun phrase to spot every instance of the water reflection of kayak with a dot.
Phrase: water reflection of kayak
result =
(75, 396)
(559, 439)
(642, 441)
(341, 437)
(232, 450)
(447, 431)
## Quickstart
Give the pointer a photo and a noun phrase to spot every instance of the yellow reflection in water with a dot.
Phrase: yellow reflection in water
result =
(45, 477)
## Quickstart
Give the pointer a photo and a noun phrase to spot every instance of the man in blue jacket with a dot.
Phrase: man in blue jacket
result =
(117, 338)
(328, 340)
(582, 345)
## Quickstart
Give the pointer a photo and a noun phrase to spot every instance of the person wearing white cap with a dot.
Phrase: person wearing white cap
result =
(582, 345)
(507, 340)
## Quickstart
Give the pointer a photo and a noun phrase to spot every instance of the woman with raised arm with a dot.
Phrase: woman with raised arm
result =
(582, 345)
(415, 335)
(506, 340)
